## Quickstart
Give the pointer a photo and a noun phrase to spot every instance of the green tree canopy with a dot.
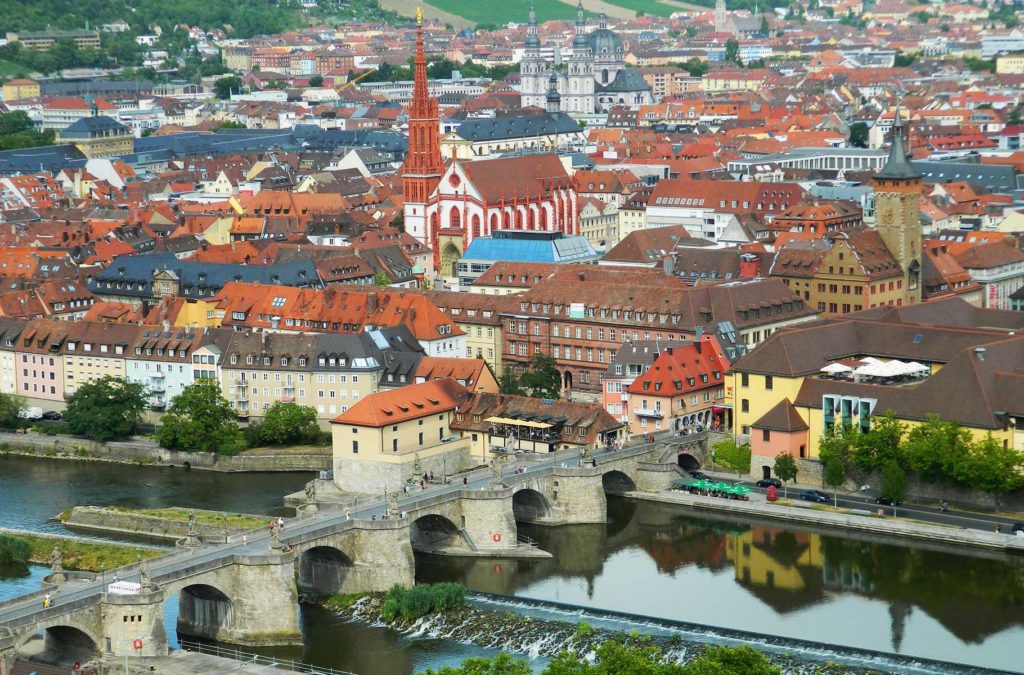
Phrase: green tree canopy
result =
(316, 81)
(289, 424)
(105, 409)
(835, 476)
(785, 468)
(894, 482)
(200, 418)
(732, 456)
(11, 409)
(223, 87)
(542, 380)
(859, 135)
(732, 51)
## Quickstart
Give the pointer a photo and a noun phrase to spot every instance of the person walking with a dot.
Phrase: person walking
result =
(46, 601)
(280, 522)
(245, 540)
(348, 515)
(465, 480)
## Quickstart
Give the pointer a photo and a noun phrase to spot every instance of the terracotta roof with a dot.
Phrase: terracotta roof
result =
(405, 403)
(647, 245)
(681, 369)
(514, 177)
(465, 371)
(986, 256)
(782, 417)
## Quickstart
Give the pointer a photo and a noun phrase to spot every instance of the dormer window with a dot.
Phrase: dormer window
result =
(248, 360)
(266, 360)
(234, 359)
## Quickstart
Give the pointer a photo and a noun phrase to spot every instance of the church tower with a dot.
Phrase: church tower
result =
(580, 81)
(898, 211)
(721, 18)
(532, 67)
(422, 169)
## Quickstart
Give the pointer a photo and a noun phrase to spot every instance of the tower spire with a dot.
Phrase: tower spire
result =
(532, 38)
(897, 165)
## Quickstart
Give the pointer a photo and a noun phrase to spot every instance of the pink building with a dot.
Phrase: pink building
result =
(631, 360)
(40, 366)
(780, 430)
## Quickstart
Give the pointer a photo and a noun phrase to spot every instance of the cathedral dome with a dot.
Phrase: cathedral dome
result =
(579, 41)
(603, 42)
(532, 42)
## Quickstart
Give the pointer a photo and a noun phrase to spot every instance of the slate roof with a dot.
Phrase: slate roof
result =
(90, 127)
(133, 275)
(625, 80)
(999, 178)
(518, 126)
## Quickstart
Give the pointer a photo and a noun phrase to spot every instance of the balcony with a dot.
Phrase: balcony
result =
(287, 399)
(648, 412)
(156, 387)
(157, 375)
(241, 393)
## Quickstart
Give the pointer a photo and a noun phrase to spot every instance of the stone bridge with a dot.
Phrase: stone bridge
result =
(245, 592)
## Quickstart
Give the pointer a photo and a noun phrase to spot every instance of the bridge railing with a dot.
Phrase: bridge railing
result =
(234, 654)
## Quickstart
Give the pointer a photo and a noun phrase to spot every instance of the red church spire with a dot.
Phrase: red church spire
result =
(422, 169)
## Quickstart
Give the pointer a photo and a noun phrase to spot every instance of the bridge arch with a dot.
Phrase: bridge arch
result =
(530, 505)
(64, 638)
(323, 570)
(617, 482)
(204, 611)
(687, 461)
(432, 531)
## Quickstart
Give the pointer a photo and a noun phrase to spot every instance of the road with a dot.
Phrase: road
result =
(930, 514)
(258, 541)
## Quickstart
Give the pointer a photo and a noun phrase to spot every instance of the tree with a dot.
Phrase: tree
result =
(289, 423)
(508, 383)
(835, 475)
(316, 81)
(894, 483)
(200, 418)
(902, 60)
(225, 86)
(922, 16)
(744, 660)
(732, 456)
(881, 444)
(542, 380)
(381, 279)
(105, 409)
(765, 28)
(785, 469)
(502, 664)
(732, 51)
(935, 448)
(859, 135)
(11, 409)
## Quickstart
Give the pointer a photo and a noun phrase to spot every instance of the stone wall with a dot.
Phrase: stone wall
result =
(488, 518)
(127, 617)
(370, 477)
(577, 495)
(98, 519)
(142, 451)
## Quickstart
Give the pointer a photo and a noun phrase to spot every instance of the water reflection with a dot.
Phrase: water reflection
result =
(660, 561)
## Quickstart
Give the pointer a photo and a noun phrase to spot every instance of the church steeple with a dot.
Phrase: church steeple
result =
(422, 169)
(532, 38)
(553, 100)
(897, 166)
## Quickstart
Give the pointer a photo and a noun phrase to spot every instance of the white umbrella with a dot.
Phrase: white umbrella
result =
(870, 360)
(919, 367)
(834, 368)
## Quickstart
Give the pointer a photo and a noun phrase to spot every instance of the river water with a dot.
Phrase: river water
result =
(649, 559)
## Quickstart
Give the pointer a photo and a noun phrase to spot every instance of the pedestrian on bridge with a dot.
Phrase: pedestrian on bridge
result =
(465, 480)
(46, 601)
(245, 540)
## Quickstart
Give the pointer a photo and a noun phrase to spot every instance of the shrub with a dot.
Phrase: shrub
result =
(14, 550)
(412, 603)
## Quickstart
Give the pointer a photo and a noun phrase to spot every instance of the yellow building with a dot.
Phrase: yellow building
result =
(395, 436)
(21, 88)
(198, 314)
(477, 316)
(1011, 64)
(96, 350)
(99, 136)
(783, 400)
(774, 559)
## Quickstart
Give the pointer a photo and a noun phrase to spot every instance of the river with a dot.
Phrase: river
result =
(650, 559)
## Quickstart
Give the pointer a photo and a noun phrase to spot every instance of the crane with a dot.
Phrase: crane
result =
(354, 80)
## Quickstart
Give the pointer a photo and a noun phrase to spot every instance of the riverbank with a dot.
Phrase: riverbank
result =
(143, 452)
(82, 554)
(169, 524)
(847, 520)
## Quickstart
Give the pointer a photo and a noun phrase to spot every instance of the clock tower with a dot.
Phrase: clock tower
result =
(898, 212)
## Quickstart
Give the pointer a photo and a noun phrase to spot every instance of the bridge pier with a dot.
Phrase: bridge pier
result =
(577, 495)
(127, 618)
(367, 557)
(655, 476)
(488, 520)
(253, 602)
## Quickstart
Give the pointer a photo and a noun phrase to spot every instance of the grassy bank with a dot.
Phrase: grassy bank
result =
(86, 556)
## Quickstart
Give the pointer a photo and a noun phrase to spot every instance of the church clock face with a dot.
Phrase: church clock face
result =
(886, 213)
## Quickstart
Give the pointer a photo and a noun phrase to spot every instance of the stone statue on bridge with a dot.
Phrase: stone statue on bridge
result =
(56, 564)
(496, 472)
(311, 492)
(191, 535)
(144, 579)
(393, 509)
(275, 536)
(417, 466)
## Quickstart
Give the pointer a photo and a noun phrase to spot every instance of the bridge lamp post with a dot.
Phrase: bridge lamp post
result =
(225, 515)
(387, 508)
(103, 571)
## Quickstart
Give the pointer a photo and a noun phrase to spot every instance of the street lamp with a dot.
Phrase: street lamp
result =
(103, 571)
(225, 515)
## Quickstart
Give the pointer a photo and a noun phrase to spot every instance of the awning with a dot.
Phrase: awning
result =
(517, 423)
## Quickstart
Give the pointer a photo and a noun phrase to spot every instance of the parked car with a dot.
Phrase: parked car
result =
(699, 475)
(32, 413)
(815, 496)
(1017, 527)
(769, 482)
(885, 501)
(52, 415)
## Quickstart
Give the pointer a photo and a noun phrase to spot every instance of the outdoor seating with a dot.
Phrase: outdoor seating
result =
(708, 488)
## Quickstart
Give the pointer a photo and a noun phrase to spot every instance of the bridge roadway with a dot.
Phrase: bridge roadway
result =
(23, 611)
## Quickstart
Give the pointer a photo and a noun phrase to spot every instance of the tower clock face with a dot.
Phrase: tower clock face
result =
(886, 213)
